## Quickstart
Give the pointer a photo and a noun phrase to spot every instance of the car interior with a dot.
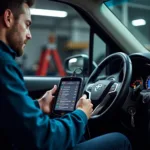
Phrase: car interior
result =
(118, 79)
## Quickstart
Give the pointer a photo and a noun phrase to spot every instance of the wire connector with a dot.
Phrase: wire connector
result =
(74, 72)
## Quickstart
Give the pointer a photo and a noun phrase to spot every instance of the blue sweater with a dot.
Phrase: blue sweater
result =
(23, 123)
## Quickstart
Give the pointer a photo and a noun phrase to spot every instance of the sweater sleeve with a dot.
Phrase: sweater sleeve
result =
(26, 125)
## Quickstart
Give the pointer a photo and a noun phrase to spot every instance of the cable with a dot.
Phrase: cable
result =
(74, 72)
(74, 75)
(88, 131)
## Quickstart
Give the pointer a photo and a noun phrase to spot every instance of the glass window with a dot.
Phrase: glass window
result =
(134, 14)
(99, 49)
(54, 39)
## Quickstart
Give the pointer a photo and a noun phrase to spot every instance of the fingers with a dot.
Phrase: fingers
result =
(50, 92)
(53, 90)
(84, 97)
(89, 100)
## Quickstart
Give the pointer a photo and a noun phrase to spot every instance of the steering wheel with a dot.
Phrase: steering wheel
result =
(109, 94)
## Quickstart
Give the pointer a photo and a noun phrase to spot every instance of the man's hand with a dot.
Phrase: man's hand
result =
(85, 105)
(46, 101)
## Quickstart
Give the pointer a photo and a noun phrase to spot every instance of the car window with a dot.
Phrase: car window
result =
(56, 38)
(134, 14)
(99, 49)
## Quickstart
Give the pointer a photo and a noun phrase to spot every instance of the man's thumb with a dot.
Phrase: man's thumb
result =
(54, 89)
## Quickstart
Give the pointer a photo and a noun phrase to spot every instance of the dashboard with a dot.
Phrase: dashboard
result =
(141, 71)
(140, 81)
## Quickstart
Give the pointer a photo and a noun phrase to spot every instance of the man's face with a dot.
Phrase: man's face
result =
(19, 33)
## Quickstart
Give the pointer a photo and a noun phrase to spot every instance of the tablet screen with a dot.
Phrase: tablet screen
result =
(67, 95)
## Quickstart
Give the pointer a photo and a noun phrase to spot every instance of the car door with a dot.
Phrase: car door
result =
(37, 86)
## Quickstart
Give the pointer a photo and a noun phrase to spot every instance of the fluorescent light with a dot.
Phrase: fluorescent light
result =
(51, 13)
(139, 22)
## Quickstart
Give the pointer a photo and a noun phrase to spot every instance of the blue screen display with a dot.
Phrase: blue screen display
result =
(67, 95)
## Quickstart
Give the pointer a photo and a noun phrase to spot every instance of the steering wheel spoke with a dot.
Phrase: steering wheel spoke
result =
(99, 108)
(115, 88)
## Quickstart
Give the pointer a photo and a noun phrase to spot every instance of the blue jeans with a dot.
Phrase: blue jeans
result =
(111, 141)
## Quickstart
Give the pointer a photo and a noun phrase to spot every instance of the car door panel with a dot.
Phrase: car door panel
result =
(37, 86)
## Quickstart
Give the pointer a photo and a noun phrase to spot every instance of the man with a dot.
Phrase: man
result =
(23, 124)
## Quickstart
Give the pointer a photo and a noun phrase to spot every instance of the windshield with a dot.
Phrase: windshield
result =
(134, 14)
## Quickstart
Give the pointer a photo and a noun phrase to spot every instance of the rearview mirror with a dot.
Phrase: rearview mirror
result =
(80, 63)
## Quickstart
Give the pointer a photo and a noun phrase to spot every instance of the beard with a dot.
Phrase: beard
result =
(15, 40)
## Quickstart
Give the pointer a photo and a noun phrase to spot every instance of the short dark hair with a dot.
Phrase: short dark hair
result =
(15, 6)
